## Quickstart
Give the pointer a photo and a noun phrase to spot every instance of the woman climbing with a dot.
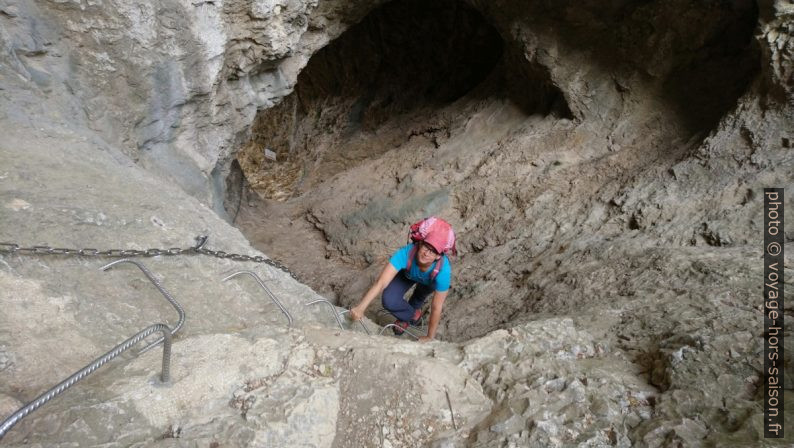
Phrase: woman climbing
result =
(423, 263)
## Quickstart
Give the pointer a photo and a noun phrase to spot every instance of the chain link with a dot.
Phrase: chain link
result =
(13, 248)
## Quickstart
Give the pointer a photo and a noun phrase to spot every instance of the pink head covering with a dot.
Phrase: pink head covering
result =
(439, 234)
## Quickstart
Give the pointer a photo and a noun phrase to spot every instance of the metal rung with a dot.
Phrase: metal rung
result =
(395, 326)
(162, 290)
(359, 321)
(333, 310)
(87, 370)
(267, 290)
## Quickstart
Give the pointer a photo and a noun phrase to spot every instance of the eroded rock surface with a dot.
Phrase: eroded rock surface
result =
(605, 176)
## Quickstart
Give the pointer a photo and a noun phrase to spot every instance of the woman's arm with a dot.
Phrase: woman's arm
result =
(386, 276)
(435, 315)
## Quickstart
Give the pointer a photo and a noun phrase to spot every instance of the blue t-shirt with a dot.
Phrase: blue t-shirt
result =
(400, 261)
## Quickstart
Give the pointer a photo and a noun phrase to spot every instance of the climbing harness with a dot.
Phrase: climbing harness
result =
(201, 240)
(267, 290)
(116, 351)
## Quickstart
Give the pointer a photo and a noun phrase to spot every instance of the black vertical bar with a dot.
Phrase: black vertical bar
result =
(774, 237)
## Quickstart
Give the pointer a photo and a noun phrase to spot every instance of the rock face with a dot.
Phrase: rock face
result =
(603, 166)
(238, 377)
(174, 85)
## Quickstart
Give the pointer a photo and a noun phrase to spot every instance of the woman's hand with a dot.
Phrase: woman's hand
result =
(356, 313)
(386, 276)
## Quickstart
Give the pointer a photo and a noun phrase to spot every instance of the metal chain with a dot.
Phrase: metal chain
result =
(13, 248)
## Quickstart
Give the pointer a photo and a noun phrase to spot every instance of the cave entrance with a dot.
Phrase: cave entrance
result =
(395, 83)
(422, 109)
(403, 61)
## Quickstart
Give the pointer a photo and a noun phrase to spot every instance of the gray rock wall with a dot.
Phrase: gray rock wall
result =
(174, 84)
(239, 376)
(625, 269)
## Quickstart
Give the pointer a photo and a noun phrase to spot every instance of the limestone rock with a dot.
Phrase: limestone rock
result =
(605, 174)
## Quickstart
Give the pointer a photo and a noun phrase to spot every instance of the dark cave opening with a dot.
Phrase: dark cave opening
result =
(409, 58)
(409, 55)
(403, 62)
(402, 56)
(707, 79)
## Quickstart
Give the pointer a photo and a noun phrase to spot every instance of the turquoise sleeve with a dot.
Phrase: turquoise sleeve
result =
(400, 258)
